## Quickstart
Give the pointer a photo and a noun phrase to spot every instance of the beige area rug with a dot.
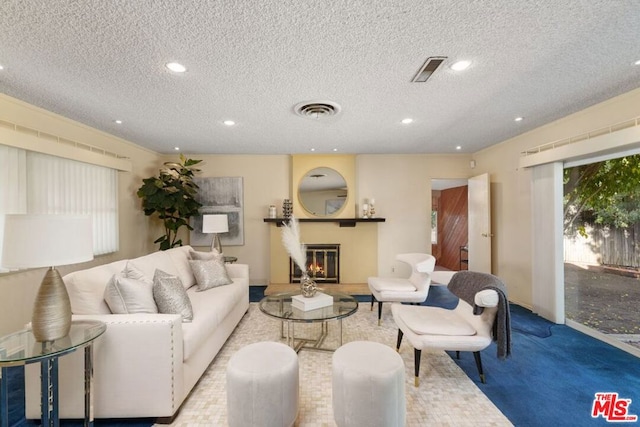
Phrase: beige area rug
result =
(446, 396)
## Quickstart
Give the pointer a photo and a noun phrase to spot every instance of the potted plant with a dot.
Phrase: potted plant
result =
(171, 195)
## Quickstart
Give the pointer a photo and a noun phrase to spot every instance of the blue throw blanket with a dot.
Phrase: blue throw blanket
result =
(465, 285)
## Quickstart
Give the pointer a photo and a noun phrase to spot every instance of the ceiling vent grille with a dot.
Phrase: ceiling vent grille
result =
(428, 68)
(317, 109)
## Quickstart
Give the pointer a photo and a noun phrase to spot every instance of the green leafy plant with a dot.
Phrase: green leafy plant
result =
(171, 195)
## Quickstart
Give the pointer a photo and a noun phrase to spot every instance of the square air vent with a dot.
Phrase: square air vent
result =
(429, 67)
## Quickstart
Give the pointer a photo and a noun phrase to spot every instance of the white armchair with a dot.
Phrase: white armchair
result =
(396, 289)
(465, 328)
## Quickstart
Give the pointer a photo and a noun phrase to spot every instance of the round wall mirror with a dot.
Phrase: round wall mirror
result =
(322, 192)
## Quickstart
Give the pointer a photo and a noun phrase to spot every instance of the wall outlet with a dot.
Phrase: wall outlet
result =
(393, 269)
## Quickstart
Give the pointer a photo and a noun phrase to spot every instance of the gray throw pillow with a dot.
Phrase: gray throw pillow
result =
(170, 295)
(210, 274)
(124, 295)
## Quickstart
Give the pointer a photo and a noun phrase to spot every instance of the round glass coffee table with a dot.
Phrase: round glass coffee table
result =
(279, 306)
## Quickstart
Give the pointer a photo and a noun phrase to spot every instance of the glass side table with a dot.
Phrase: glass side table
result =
(21, 348)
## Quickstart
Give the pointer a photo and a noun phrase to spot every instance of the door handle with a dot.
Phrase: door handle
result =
(487, 235)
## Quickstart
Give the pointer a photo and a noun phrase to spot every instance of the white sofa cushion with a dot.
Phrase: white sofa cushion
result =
(170, 295)
(173, 261)
(435, 321)
(210, 308)
(125, 295)
(86, 288)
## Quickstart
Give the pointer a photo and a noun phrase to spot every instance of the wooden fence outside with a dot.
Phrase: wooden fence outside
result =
(605, 246)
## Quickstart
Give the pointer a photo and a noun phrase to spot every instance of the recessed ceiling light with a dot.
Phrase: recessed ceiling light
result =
(1, 67)
(119, 122)
(459, 147)
(519, 119)
(176, 148)
(175, 67)
(460, 65)
(229, 122)
(407, 121)
(335, 149)
(635, 63)
(313, 149)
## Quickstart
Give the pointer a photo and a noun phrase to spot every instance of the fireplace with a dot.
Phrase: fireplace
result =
(323, 264)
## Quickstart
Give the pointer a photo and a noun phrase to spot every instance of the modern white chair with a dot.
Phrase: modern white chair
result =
(396, 289)
(482, 315)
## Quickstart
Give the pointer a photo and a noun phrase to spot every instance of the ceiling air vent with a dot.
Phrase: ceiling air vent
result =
(317, 109)
(429, 67)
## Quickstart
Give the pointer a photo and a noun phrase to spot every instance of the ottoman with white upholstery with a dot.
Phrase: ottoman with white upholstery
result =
(368, 386)
(262, 386)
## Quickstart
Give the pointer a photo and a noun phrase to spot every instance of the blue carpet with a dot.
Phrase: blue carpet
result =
(553, 373)
(550, 379)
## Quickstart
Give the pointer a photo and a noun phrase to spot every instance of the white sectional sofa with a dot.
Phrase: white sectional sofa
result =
(144, 364)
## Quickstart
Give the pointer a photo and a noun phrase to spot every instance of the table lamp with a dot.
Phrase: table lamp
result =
(215, 224)
(33, 241)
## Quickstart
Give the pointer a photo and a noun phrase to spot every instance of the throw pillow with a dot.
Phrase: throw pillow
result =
(133, 272)
(170, 295)
(124, 295)
(210, 274)
(205, 256)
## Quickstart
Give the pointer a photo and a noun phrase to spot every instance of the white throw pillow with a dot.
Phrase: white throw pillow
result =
(170, 295)
(124, 295)
(133, 272)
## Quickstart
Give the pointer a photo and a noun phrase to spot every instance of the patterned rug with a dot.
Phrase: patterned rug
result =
(446, 396)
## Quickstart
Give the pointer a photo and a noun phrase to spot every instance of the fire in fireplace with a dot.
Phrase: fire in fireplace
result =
(323, 264)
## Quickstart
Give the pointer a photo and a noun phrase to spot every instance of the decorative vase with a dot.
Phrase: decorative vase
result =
(308, 286)
(287, 208)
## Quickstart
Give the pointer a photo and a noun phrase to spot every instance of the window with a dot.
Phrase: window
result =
(38, 183)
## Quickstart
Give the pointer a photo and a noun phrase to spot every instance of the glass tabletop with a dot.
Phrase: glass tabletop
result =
(279, 306)
(21, 347)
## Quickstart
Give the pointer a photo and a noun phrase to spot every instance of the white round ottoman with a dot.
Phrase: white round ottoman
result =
(262, 386)
(368, 386)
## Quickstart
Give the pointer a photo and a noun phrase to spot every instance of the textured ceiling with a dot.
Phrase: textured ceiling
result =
(95, 61)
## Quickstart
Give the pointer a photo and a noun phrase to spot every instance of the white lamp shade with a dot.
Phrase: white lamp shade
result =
(215, 223)
(32, 241)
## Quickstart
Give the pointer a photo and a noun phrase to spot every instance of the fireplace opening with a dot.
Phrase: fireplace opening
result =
(323, 264)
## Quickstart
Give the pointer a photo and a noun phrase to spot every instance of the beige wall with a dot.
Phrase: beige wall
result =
(511, 192)
(17, 290)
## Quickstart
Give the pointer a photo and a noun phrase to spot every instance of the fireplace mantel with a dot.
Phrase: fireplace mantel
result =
(343, 222)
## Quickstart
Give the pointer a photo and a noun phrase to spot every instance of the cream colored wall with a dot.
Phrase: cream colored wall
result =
(18, 290)
(511, 192)
(401, 187)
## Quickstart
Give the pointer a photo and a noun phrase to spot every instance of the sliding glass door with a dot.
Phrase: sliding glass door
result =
(602, 246)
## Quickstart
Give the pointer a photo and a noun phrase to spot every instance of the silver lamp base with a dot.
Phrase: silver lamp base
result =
(215, 244)
(51, 317)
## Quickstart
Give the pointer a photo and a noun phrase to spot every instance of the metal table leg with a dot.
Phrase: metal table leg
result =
(49, 392)
(4, 398)
(88, 385)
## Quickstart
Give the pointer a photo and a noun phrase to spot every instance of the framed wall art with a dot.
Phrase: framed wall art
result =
(220, 195)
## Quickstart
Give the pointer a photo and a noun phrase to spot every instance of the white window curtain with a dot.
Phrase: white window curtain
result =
(38, 183)
(13, 184)
(547, 259)
(57, 186)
